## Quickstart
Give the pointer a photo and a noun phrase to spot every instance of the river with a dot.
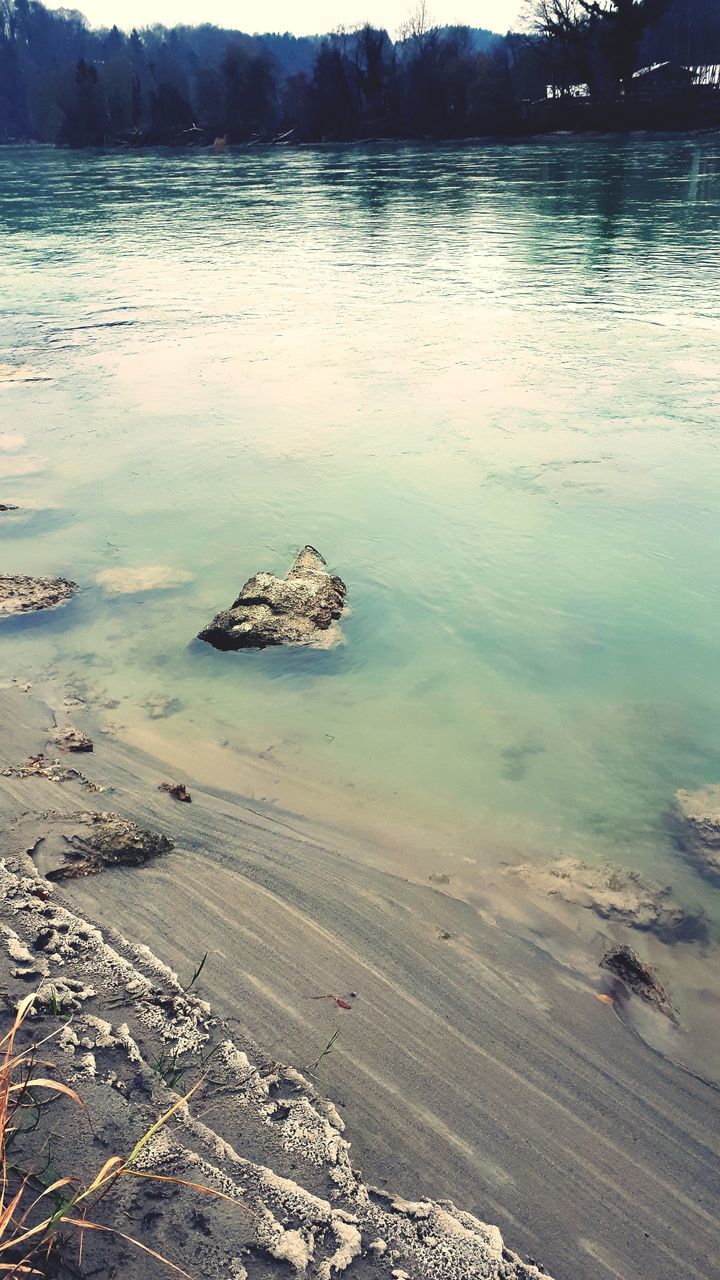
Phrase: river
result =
(482, 380)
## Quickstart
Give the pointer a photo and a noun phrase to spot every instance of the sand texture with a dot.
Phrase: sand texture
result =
(471, 1067)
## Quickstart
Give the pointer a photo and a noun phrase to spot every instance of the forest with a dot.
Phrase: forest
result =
(572, 64)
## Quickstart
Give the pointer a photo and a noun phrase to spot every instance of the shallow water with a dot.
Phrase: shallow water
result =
(482, 380)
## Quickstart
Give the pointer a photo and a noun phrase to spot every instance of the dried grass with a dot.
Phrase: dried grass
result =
(28, 1231)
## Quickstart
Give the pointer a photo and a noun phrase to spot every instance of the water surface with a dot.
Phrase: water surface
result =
(483, 381)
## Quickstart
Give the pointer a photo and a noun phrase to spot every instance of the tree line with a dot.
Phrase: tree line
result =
(571, 65)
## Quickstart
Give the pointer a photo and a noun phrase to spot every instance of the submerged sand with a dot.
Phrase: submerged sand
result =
(471, 1066)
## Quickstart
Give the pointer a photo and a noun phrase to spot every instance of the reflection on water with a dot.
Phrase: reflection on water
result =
(483, 381)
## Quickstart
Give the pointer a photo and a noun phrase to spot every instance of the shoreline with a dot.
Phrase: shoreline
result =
(259, 1138)
(472, 1062)
(637, 134)
(477, 864)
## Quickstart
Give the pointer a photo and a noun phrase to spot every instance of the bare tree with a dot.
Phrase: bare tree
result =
(556, 19)
(562, 27)
(418, 23)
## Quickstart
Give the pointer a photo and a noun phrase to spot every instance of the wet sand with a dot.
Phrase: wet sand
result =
(472, 1064)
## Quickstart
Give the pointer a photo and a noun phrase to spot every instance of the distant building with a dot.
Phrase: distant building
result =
(663, 77)
(568, 91)
(673, 75)
(654, 81)
(708, 76)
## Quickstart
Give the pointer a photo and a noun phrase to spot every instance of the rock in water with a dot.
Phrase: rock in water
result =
(639, 977)
(19, 594)
(618, 894)
(700, 827)
(301, 609)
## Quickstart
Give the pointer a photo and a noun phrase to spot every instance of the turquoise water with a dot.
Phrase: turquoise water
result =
(484, 382)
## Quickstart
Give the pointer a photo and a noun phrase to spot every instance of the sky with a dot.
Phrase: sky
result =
(302, 17)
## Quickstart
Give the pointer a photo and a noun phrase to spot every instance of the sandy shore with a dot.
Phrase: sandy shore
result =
(472, 1065)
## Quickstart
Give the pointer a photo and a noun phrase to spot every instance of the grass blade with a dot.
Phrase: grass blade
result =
(113, 1231)
(180, 1182)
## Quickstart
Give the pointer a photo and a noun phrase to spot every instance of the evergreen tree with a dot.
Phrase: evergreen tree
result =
(84, 110)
